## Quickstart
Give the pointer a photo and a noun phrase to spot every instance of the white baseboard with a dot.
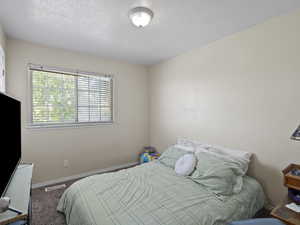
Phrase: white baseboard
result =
(82, 175)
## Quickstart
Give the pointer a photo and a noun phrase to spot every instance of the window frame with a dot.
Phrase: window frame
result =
(70, 72)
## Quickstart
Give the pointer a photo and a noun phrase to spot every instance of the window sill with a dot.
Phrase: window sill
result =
(71, 125)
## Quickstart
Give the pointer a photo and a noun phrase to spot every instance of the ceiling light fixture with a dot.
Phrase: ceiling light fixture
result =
(140, 16)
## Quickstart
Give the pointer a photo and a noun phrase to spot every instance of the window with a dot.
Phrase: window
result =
(60, 97)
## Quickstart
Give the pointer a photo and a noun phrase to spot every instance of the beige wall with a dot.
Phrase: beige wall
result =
(2, 37)
(86, 148)
(241, 92)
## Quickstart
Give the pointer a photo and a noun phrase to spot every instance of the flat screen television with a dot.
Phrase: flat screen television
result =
(10, 139)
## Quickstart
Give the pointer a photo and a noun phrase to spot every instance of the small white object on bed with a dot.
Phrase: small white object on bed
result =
(185, 165)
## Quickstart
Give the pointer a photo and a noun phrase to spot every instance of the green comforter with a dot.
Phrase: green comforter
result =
(152, 194)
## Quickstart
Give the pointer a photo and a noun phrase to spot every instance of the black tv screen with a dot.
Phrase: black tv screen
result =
(10, 139)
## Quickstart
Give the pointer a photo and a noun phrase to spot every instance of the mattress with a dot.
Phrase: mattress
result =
(152, 194)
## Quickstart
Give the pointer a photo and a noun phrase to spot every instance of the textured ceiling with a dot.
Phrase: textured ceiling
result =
(102, 27)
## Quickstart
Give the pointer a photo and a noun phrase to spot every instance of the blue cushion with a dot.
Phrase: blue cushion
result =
(266, 221)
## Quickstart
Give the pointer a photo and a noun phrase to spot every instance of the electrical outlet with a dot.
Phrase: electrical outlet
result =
(66, 163)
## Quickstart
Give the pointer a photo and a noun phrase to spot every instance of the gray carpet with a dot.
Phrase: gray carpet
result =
(44, 207)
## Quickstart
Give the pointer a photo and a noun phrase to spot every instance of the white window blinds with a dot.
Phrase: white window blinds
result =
(60, 97)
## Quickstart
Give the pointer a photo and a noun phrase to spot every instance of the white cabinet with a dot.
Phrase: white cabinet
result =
(19, 190)
(2, 70)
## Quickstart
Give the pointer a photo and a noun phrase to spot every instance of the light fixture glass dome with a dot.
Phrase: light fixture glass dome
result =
(140, 16)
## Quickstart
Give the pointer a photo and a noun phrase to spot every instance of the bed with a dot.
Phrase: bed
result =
(153, 194)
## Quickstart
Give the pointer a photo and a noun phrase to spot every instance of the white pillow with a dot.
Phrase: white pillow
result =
(226, 151)
(185, 148)
(239, 158)
(189, 143)
(185, 165)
